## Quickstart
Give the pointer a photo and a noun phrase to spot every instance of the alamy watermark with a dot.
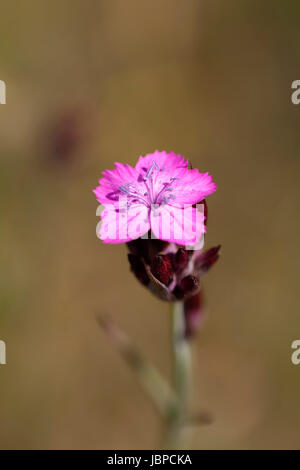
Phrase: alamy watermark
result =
(295, 357)
(2, 343)
(2, 352)
(125, 221)
(295, 96)
(2, 92)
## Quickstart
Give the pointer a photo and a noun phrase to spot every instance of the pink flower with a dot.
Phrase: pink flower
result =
(159, 195)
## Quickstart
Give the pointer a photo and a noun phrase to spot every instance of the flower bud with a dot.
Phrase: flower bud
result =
(180, 260)
(188, 285)
(162, 269)
(206, 260)
(138, 268)
(146, 248)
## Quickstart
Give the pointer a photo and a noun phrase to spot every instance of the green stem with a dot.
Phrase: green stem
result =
(171, 402)
(182, 361)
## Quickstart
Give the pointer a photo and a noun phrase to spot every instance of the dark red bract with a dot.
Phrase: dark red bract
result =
(172, 273)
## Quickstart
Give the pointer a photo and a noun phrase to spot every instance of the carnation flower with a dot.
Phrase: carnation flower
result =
(158, 208)
(157, 196)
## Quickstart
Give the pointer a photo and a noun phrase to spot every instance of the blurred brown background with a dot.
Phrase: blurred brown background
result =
(92, 82)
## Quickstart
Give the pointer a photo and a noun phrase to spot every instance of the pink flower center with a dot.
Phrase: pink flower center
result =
(155, 191)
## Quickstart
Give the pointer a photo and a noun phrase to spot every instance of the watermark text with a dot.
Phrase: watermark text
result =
(2, 92)
(2, 352)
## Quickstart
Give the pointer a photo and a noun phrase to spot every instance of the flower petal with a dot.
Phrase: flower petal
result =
(120, 226)
(169, 161)
(183, 226)
(109, 190)
(190, 187)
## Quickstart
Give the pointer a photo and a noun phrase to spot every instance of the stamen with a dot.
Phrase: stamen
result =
(149, 197)
(133, 193)
(167, 187)
(149, 176)
(151, 169)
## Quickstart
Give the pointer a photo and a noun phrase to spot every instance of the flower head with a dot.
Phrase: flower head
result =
(158, 196)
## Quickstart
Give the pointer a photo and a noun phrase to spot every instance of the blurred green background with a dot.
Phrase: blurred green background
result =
(92, 82)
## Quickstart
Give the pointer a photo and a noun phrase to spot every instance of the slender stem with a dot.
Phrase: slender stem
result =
(171, 402)
(182, 360)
